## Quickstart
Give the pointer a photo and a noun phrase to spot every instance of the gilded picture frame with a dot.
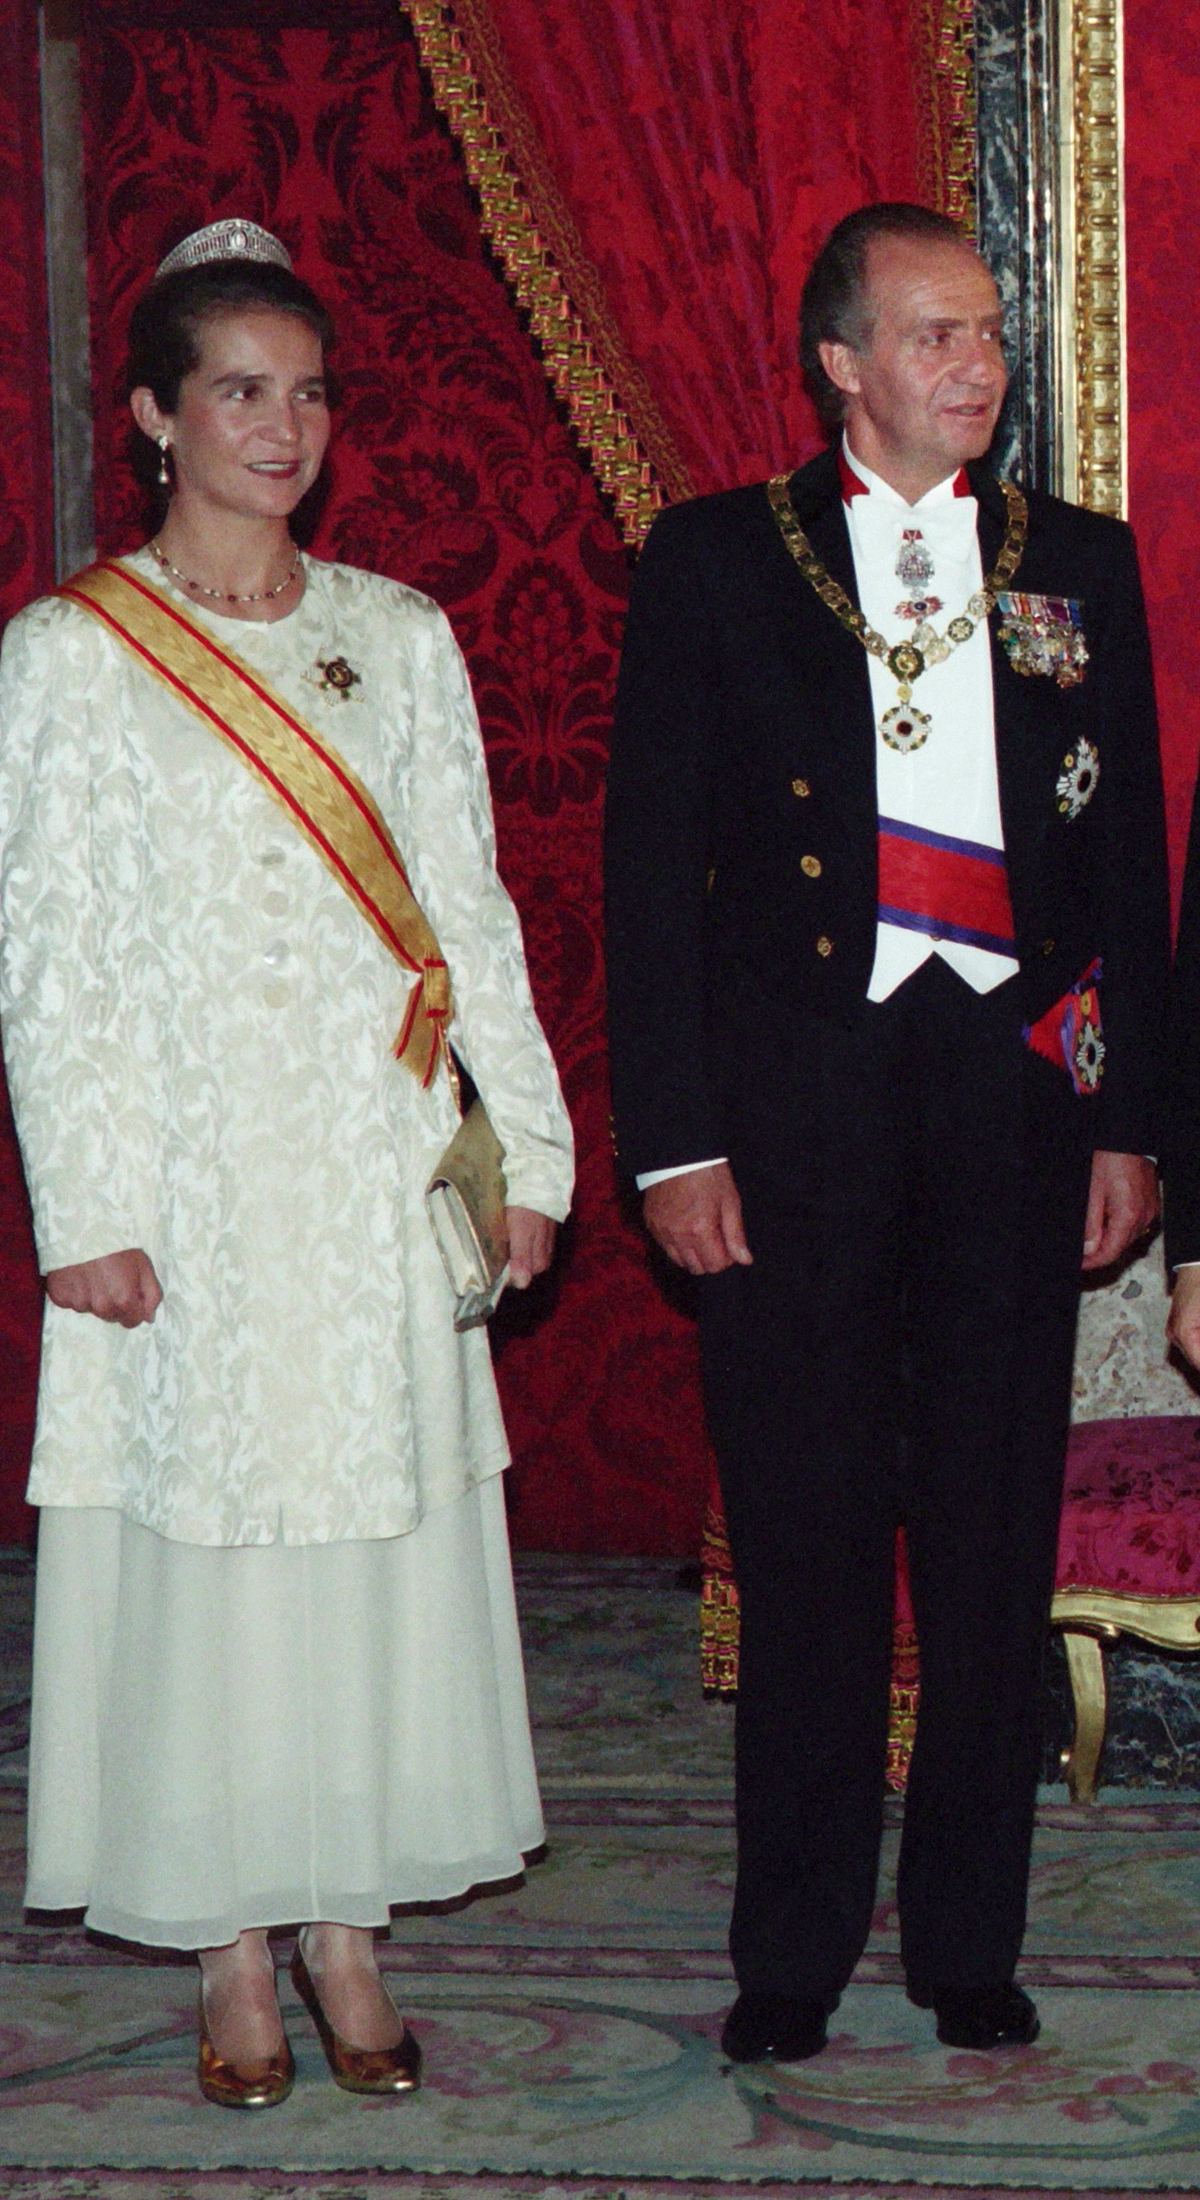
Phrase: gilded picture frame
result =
(1050, 218)
(1091, 195)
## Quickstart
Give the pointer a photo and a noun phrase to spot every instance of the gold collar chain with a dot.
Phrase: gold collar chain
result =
(904, 728)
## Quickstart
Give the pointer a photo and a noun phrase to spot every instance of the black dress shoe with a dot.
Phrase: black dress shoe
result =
(982, 2016)
(773, 2028)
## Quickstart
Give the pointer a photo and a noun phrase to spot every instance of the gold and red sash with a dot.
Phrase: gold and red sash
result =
(324, 799)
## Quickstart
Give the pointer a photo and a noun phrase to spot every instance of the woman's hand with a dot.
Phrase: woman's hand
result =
(119, 1287)
(530, 1244)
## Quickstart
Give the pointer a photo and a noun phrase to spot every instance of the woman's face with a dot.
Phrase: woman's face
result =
(252, 423)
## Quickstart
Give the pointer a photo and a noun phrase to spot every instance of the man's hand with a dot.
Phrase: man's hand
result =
(530, 1244)
(1122, 1206)
(697, 1219)
(119, 1287)
(1183, 1321)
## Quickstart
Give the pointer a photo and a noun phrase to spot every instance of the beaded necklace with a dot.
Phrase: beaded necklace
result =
(221, 595)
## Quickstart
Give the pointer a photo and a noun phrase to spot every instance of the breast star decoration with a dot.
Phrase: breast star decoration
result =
(1078, 779)
(1089, 1057)
(335, 677)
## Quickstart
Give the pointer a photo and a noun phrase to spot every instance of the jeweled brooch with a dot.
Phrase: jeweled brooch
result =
(1078, 779)
(1043, 635)
(335, 676)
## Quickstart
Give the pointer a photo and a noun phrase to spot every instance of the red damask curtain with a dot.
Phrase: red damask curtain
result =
(681, 164)
(26, 568)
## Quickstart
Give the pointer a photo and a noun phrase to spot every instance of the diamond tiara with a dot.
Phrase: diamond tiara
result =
(228, 240)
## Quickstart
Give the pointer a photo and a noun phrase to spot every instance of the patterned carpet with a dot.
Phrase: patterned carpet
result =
(571, 2023)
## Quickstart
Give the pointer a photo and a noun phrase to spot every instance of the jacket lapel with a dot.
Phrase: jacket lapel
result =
(830, 664)
(1024, 817)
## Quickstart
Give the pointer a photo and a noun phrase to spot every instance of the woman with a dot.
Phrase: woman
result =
(246, 862)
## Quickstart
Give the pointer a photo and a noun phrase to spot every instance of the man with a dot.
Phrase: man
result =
(887, 940)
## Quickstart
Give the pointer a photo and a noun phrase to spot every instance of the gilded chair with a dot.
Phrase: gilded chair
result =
(1128, 1560)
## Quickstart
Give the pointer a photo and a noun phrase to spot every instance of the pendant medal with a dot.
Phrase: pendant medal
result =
(914, 566)
(904, 728)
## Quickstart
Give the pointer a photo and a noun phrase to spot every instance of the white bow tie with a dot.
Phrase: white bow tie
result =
(877, 529)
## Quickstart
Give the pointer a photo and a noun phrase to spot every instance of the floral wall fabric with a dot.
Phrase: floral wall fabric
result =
(452, 471)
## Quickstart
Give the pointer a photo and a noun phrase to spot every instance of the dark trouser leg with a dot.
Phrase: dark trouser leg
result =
(996, 1244)
(801, 1378)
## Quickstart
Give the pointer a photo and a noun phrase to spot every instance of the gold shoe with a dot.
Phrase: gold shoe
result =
(358, 2069)
(237, 2085)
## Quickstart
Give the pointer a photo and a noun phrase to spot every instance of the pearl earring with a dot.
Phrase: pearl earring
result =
(164, 471)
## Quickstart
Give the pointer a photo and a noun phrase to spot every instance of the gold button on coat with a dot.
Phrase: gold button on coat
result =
(1048, 946)
(801, 787)
(824, 945)
(811, 866)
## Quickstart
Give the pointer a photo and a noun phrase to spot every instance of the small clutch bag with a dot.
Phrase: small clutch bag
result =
(465, 1199)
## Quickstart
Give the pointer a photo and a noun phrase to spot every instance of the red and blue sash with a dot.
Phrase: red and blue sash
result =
(949, 889)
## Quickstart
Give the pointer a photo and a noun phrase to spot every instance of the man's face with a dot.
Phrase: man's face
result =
(923, 396)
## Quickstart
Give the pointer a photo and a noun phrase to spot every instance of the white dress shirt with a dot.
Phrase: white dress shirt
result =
(949, 785)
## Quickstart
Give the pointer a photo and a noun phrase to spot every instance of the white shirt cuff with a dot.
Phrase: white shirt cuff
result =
(682, 1168)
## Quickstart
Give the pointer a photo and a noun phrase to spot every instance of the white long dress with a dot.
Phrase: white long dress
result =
(275, 1622)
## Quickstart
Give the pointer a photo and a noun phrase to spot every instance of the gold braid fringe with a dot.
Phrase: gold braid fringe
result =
(639, 470)
(948, 150)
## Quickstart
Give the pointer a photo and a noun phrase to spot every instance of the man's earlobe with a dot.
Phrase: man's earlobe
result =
(840, 362)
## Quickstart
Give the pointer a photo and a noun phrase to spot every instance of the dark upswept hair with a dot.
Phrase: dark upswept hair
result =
(835, 306)
(164, 330)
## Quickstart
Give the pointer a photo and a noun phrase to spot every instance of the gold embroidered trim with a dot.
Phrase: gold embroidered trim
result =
(585, 361)
(948, 150)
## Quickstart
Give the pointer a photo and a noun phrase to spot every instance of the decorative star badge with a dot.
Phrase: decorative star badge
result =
(1089, 1057)
(1077, 781)
(334, 676)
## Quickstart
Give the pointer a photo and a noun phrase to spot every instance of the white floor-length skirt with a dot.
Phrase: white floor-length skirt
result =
(226, 1738)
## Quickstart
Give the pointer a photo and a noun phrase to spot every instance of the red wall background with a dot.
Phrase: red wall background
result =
(1162, 158)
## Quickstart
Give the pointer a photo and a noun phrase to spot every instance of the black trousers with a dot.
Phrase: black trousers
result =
(900, 1351)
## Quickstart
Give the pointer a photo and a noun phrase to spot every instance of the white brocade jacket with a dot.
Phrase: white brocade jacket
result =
(198, 1031)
